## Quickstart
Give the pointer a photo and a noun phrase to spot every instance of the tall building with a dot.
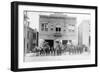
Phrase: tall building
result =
(84, 33)
(57, 27)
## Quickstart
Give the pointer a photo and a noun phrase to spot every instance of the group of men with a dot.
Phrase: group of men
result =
(45, 49)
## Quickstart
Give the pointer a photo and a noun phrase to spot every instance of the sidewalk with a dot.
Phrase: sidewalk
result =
(83, 56)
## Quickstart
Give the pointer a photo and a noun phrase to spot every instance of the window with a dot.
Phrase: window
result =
(52, 29)
(44, 26)
(71, 28)
(34, 35)
(58, 29)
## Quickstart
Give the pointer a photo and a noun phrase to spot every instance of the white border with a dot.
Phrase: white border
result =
(22, 64)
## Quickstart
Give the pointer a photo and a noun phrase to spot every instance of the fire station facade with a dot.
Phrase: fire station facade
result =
(53, 28)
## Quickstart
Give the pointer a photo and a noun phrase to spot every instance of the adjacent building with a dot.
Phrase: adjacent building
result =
(84, 33)
(30, 36)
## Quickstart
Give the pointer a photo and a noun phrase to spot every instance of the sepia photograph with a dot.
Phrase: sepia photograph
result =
(50, 36)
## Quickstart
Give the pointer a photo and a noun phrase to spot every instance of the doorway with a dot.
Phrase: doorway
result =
(50, 42)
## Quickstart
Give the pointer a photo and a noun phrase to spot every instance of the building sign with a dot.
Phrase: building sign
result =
(57, 35)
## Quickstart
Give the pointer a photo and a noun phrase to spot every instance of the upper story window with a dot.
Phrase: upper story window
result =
(51, 29)
(44, 26)
(71, 28)
(58, 29)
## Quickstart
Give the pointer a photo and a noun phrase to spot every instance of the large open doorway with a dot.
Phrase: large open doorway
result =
(50, 42)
